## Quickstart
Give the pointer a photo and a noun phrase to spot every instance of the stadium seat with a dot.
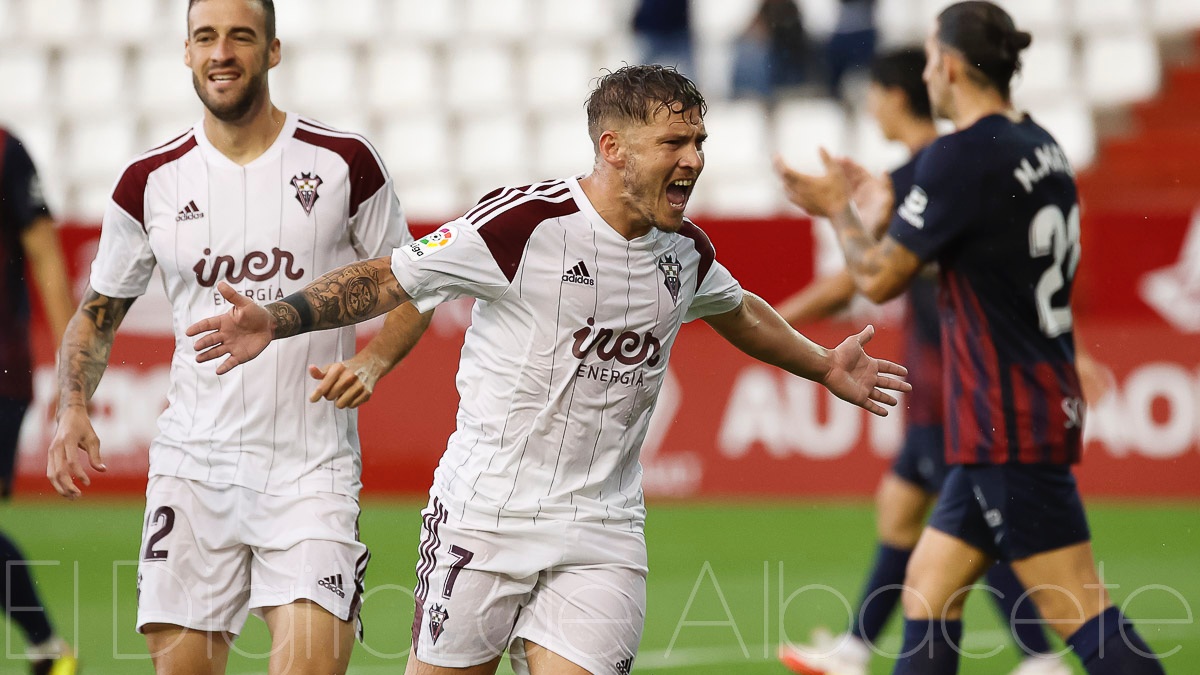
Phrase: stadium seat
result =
(721, 21)
(505, 20)
(562, 146)
(416, 145)
(1071, 124)
(163, 83)
(159, 129)
(480, 78)
(731, 197)
(175, 22)
(40, 135)
(403, 77)
(425, 22)
(557, 77)
(93, 79)
(1175, 16)
(24, 72)
(348, 21)
(54, 22)
(8, 19)
(321, 76)
(431, 198)
(802, 126)
(1120, 69)
(99, 147)
(899, 25)
(128, 21)
(88, 199)
(1042, 17)
(1090, 16)
(493, 145)
(1048, 69)
(300, 22)
(820, 16)
(584, 23)
(737, 142)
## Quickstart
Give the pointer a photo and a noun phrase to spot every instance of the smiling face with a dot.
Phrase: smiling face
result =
(661, 161)
(229, 53)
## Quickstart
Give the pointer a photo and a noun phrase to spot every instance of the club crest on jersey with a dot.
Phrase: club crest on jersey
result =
(306, 185)
(437, 621)
(432, 242)
(670, 268)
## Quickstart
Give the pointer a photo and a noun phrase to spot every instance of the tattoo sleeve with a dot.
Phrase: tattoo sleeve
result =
(345, 296)
(87, 344)
(857, 245)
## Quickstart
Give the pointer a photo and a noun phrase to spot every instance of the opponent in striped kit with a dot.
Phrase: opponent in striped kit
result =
(252, 503)
(995, 204)
(532, 539)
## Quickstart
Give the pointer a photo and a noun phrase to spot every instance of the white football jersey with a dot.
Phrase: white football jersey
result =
(317, 199)
(566, 353)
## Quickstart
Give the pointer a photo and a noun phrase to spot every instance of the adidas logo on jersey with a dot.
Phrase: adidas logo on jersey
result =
(333, 583)
(579, 275)
(189, 212)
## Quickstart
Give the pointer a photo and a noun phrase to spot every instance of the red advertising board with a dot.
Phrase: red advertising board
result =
(727, 425)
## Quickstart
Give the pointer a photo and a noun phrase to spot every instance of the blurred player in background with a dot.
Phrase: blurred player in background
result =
(533, 536)
(252, 503)
(26, 236)
(995, 205)
(899, 102)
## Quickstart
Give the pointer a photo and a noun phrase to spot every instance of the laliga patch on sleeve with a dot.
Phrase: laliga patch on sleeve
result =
(431, 243)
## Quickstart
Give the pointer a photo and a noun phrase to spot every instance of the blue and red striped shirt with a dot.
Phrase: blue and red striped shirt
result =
(995, 205)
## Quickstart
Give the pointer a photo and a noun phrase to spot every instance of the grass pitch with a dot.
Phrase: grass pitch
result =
(728, 582)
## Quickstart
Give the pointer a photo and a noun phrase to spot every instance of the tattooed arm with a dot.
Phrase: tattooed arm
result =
(81, 362)
(881, 269)
(345, 296)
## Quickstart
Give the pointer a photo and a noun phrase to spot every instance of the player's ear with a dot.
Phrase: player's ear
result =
(187, 53)
(276, 53)
(611, 149)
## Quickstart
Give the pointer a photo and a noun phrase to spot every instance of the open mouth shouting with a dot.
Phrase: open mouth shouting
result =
(678, 192)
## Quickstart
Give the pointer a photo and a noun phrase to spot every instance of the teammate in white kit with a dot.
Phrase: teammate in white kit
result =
(252, 503)
(533, 533)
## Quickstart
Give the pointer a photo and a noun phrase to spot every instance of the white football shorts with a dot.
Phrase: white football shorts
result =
(213, 553)
(577, 589)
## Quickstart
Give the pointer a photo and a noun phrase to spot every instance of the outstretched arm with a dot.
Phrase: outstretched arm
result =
(881, 269)
(847, 370)
(345, 296)
(82, 359)
(350, 383)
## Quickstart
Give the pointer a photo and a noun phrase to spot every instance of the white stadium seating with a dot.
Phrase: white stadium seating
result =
(464, 95)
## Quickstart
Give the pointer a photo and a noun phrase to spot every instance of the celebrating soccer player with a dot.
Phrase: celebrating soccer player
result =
(532, 538)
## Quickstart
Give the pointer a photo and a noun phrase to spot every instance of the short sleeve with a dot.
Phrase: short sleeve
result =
(379, 224)
(944, 199)
(719, 292)
(452, 262)
(124, 260)
(21, 193)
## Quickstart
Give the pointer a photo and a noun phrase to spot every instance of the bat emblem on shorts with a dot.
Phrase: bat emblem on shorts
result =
(306, 185)
(437, 621)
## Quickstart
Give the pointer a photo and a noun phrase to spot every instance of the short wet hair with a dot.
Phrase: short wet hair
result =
(987, 38)
(636, 94)
(268, 15)
(901, 69)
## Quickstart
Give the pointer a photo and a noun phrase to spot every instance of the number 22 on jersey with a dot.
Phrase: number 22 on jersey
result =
(1050, 233)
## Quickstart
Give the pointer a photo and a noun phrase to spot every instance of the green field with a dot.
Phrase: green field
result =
(727, 583)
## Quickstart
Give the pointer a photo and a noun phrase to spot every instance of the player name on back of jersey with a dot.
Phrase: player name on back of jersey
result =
(1050, 158)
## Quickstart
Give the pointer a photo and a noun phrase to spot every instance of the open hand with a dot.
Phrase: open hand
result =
(858, 378)
(240, 334)
(348, 383)
(822, 195)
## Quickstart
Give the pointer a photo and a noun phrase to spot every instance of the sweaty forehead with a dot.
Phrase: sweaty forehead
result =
(679, 120)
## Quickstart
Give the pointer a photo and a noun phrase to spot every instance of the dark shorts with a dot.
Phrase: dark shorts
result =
(922, 459)
(1011, 511)
(11, 414)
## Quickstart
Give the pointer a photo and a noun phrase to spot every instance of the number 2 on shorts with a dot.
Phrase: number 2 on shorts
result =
(165, 514)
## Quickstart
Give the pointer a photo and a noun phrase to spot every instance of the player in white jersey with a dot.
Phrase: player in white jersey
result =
(533, 534)
(252, 503)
